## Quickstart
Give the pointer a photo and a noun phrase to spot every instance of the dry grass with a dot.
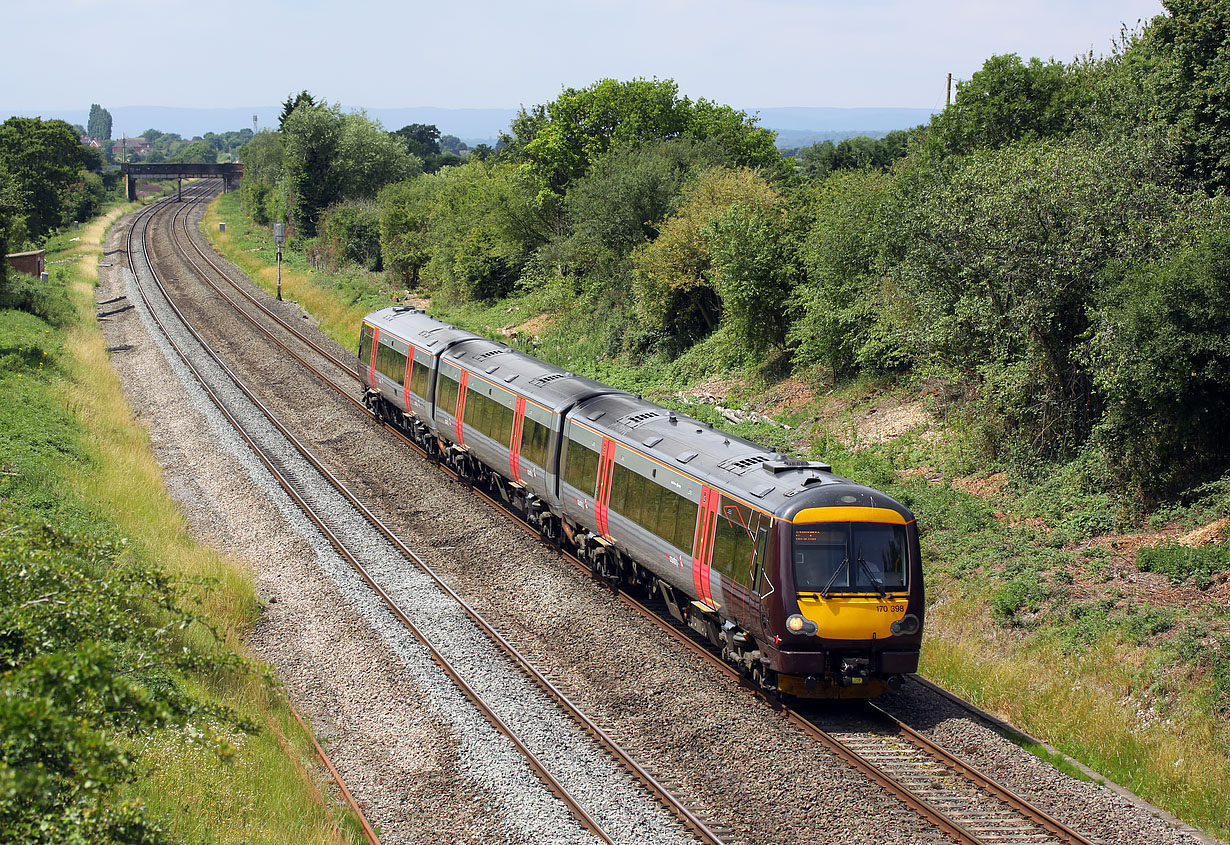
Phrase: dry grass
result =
(1082, 705)
(261, 794)
(338, 319)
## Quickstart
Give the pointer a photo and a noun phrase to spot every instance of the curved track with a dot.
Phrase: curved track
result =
(960, 801)
(294, 488)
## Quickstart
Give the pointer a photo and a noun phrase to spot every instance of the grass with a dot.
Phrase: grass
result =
(74, 454)
(339, 306)
(1023, 620)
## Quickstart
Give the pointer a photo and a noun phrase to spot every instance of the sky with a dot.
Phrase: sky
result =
(489, 54)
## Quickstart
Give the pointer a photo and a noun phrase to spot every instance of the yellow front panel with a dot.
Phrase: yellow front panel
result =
(853, 617)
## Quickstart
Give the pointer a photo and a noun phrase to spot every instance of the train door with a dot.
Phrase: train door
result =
(761, 585)
(514, 444)
(702, 545)
(602, 499)
(369, 339)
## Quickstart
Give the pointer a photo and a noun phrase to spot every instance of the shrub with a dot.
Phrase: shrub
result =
(1184, 564)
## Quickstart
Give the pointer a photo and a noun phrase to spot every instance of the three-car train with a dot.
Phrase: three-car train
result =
(809, 583)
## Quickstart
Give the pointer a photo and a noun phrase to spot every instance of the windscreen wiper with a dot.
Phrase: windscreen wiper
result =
(836, 572)
(875, 582)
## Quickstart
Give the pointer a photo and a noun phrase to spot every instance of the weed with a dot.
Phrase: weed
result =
(1184, 564)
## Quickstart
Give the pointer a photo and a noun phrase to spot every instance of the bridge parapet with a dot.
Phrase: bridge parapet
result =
(230, 173)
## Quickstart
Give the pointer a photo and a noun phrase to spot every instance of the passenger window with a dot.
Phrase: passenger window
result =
(420, 377)
(534, 438)
(446, 394)
(581, 467)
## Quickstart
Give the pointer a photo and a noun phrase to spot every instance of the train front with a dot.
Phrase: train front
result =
(847, 613)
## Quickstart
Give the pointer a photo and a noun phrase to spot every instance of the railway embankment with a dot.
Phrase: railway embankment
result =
(1042, 608)
(130, 709)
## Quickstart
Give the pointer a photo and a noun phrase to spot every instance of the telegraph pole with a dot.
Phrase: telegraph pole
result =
(948, 99)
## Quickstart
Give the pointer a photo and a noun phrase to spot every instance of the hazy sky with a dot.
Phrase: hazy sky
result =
(61, 54)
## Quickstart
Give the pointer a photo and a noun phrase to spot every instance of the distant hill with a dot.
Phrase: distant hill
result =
(796, 126)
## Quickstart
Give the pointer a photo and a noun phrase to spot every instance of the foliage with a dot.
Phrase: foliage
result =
(674, 282)
(1161, 361)
(44, 159)
(99, 125)
(846, 313)
(406, 210)
(294, 101)
(557, 143)
(622, 201)
(423, 142)
(1183, 564)
(262, 174)
(1009, 101)
(824, 157)
(350, 231)
(370, 158)
(999, 258)
(196, 152)
(328, 156)
(1185, 56)
(753, 272)
(484, 228)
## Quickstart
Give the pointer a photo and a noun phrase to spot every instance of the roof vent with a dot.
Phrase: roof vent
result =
(791, 464)
(633, 420)
(485, 355)
(685, 457)
(743, 463)
(547, 378)
(652, 441)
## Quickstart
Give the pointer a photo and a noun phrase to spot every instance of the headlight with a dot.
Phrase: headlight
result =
(798, 624)
(907, 625)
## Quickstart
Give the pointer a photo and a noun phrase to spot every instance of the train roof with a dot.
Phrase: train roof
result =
(774, 483)
(417, 327)
(544, 383)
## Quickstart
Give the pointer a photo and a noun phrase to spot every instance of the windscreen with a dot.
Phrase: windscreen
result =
(849, 557)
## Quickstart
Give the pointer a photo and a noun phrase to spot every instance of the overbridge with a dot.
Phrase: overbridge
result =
(229, 173)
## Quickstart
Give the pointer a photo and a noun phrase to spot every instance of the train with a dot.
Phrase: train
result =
(809, 583)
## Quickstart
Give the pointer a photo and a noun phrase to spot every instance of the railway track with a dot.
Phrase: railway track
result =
(964, 804)
(298, 489)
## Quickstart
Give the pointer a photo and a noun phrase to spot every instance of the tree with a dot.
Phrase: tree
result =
(43, 158)
(328, 157)
(753, 271)
(422, 139)
(406, 210)
(843, 306)
(262, 173)
(12, 225)
(292, 102)
(1007, 101)
(1161, 362)
(370, 158)
(999, 259)
(199, 151)
(559, 142)
(1187, 54)
(99, 126)
(674, 274)
(311, 136)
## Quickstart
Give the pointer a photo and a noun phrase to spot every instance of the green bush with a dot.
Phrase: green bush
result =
(1185, 564)
(350, 231)
(1161, 360)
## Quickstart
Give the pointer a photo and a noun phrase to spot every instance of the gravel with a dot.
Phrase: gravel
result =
(405, 740)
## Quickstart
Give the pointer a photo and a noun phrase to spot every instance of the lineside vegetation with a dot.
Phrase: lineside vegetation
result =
(1037, 279)
(129, 712)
